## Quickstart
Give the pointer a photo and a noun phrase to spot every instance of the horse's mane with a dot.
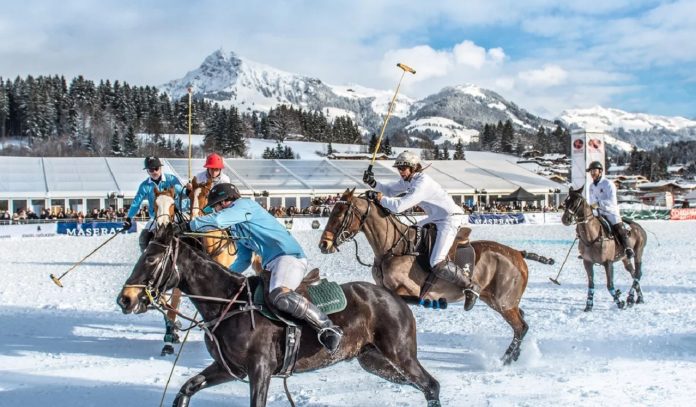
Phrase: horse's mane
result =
(199, 255)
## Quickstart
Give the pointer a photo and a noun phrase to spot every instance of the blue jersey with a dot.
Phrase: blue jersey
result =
(147, 190)
(257, 230)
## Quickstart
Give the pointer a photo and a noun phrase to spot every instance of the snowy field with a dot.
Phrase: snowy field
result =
(74, 347)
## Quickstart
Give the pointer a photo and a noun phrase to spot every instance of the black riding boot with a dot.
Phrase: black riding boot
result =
(622, 235)
(450, 272)
(299, 307)
(144, 239)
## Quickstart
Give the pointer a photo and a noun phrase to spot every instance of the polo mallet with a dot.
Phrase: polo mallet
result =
(555, 280)
(57, 279)
(405, 69)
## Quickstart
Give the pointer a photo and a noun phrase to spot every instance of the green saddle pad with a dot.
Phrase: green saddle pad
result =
(327, 296)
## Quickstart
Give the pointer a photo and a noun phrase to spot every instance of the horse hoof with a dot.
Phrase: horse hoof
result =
(588, 308)
(167, 350)
(640, 300)
(434, 403)
(621, 304)
(630, 301)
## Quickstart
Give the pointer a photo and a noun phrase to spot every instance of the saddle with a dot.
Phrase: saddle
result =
(327, 295)
(461, 253)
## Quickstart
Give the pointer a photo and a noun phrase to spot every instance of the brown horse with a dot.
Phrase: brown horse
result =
(500, 271)
(219, 245)
(597, 247)
(379, 329)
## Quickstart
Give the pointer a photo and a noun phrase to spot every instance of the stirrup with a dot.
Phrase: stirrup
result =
(333, 341)
(470, 297)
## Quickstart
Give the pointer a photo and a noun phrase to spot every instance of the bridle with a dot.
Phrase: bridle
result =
(343, 234)
(157, 284)
(575, 213)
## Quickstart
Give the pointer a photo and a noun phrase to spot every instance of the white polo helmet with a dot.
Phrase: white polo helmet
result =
(407, 159)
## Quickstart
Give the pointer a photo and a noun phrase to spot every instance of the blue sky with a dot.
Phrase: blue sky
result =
(544, 55)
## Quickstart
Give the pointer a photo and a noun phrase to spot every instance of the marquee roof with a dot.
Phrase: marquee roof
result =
(95, 177)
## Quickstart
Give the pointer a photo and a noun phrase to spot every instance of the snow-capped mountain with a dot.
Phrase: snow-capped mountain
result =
(643, 130)
(458, 113)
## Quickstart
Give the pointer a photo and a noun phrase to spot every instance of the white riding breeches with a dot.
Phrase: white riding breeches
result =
(612, 217)
(287, 271)
(446, 232)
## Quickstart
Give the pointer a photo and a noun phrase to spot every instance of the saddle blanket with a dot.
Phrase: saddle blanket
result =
(326, 295)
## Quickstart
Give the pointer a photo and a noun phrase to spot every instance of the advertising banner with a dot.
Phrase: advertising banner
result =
(90, 228)
(29, 230)
(577, 158)
(536, 218)
(683, 214)
(496, 219)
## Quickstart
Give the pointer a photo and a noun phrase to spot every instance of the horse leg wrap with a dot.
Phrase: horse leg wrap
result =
(590, 300)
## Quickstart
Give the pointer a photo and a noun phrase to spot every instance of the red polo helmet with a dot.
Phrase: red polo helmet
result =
(214, 161)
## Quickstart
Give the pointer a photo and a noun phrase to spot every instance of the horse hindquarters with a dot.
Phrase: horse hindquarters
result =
(393, 353)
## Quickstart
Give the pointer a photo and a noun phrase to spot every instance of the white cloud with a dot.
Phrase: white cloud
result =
(549, 75)
(470, 54)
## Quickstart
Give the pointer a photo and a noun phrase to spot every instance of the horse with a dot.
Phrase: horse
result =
(379, 329)
(166, 213)
(598, 247)
(220, 246)
(500, 271)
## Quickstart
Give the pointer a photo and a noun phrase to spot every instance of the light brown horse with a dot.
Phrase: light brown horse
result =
(596, 247)
(500, 271)
(219, 245)
(165, 213)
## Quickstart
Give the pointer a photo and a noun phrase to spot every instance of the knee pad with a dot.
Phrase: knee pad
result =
(289, 302)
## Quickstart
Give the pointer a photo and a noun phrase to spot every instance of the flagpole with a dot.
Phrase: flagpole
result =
(190, 91)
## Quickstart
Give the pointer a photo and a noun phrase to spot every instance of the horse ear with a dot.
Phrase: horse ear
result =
(194, 182)
(172, 191)
(579, 190)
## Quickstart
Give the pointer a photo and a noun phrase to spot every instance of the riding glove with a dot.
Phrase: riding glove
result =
(372, 195)
(127, 224)
(369, 178)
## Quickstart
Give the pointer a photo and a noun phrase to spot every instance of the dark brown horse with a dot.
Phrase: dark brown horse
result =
(597, 247)
(379, 329)
(500, 271)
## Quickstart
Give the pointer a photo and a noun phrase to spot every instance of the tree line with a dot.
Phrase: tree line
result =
(55, 117)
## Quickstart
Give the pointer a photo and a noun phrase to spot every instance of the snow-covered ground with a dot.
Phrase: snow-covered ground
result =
(73, 346)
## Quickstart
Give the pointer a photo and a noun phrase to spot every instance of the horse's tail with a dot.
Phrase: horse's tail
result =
(536, 257)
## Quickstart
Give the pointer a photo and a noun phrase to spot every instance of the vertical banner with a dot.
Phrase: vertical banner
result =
(586, 146)
(577, 158)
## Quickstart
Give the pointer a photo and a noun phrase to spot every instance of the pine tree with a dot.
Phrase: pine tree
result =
(373, 143)
(459, 151)
(130, 144)
(329, 149)
(436, 153)
(116, 144)
(445, 153)
(507, 138)
(386, 147)
(179, 148)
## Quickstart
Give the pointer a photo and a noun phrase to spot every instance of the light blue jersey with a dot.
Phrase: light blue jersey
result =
(147, 190)
(257, 230)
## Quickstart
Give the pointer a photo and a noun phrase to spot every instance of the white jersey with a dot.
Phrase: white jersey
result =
(202, 178)
(604, 195)
(423, 191)
(433, 199)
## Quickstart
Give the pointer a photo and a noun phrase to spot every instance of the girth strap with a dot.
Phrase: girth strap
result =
(293, 333)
